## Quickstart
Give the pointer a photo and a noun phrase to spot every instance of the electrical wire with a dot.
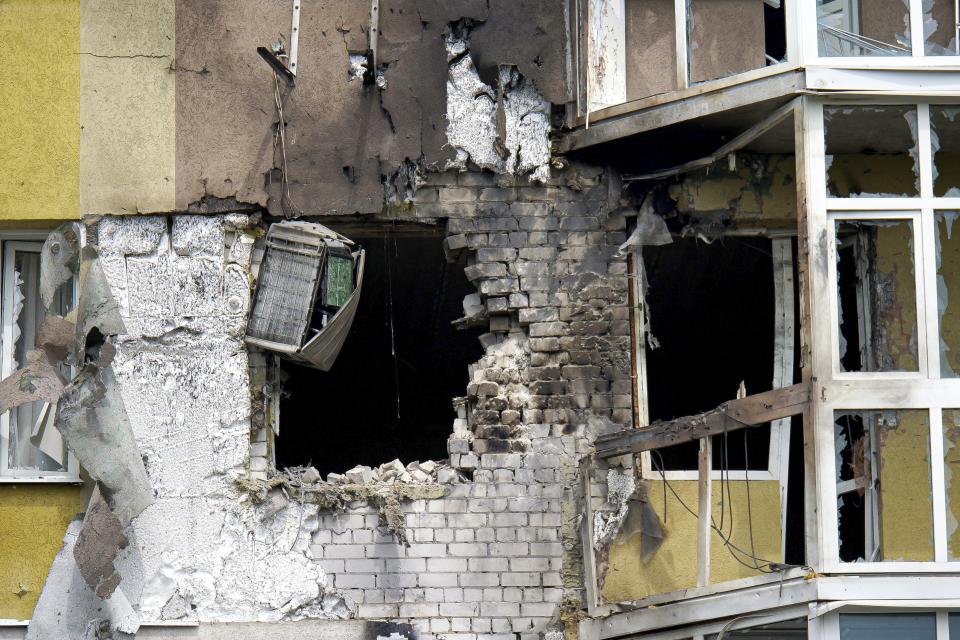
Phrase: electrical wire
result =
(730, 546)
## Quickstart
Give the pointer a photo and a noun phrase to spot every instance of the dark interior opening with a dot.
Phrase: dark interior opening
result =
(775, 31)
(851, 506)
(389, 393)
(712, 310)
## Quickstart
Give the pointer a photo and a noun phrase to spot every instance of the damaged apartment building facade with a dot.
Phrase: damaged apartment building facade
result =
(479, 319)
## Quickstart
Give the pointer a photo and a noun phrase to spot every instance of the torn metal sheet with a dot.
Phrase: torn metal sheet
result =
(37, 380)
(93, 421)
(55, 337)
(307, 293)
(97, 308)
(98, 544)
(67, 605)
(642, 520)
(59, 261)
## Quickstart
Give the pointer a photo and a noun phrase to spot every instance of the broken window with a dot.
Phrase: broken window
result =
(786, 630)
(945, 143)
(30, 446)
(863, 28)
(860, 163)
(877, 297)
(948, 270)
(940, 28)
(726, 37)
(884, 503)
(633, 49)
(389, 393)
(713, 305)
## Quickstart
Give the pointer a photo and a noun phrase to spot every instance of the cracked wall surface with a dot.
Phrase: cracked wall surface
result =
(346, 142)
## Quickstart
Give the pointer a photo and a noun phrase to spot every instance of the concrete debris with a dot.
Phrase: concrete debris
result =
(99, 542)
(607, 521)
(68, 605)
(96, 307)
(55, 337)
(59, 260)
(93, 421)
(521, 144)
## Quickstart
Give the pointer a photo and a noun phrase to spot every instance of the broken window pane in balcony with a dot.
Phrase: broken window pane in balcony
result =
(863, 28)
(888, 626)
(945, 147)
(862, 163)
(940, 28)
(948, 279)
(884, 504)
(951, 480)
(876, 289)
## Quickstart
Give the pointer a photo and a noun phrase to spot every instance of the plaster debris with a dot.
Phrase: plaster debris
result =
(93, 421)
(606, 522)
(67, 605)
(520, 145)
(100, 539)
(59, 260)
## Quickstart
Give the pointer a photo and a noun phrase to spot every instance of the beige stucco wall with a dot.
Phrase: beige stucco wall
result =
(127, 106)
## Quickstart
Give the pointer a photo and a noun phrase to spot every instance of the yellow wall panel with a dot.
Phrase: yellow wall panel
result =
(33, 519)
(674, 565)
(40, 103)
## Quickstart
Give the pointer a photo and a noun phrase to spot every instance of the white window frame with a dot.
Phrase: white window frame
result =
(682, 70)
(807, 20)
(836, 390)
(779, 448)
(829, 622)
(10, 243)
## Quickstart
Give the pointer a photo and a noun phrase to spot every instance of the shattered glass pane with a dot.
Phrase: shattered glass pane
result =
(951, 468)
(28, 314)
(939, 28)
(885, 508)
(876, 296)
(855, 28)
(862, 163)
(945, 148)
(948, 272)
(888, 626)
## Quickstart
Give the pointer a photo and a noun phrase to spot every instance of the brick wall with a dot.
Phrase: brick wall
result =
(494, 558)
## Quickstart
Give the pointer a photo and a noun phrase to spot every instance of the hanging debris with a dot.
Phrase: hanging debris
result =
(307, 293)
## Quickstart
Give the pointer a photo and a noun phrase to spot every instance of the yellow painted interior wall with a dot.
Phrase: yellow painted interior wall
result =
(760, 192)
(906, 508)
(40, 103)
(898, 316)
(891, 174)
(951, 473)
(948, 273)
(674, 565)
(127, 106)
(33, 519)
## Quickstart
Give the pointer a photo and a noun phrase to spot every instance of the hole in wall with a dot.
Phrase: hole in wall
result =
(389, 393)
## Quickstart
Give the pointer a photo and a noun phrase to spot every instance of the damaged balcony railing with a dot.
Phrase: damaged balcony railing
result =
(744, 412)
(307, 293)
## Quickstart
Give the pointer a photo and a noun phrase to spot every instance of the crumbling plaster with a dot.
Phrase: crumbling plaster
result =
(226, 115)
(202, 550)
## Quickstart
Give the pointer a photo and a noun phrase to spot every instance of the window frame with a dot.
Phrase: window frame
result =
(12, 242)
(808, 27)
(837, 391)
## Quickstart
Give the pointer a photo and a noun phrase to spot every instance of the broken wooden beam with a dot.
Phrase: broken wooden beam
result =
(730, 416)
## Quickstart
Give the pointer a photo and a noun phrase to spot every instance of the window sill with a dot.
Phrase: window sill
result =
(40, 480)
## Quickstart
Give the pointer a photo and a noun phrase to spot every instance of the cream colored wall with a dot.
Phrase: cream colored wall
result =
(127, 106)
(674, 565)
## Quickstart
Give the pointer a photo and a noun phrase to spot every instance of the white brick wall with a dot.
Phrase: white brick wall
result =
(483, 563)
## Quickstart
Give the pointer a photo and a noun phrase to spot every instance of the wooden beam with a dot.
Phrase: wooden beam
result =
(730, 416)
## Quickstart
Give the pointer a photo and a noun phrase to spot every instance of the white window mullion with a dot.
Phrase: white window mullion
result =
(937, 484)
(943, 625)
(916, 27)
